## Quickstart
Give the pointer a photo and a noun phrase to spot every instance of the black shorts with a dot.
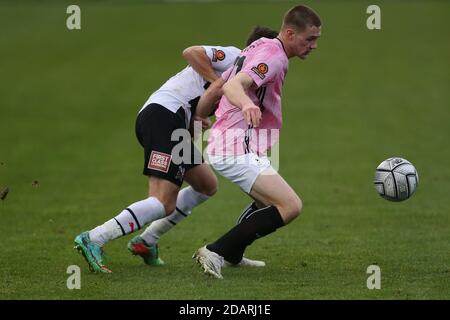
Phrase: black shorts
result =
(163, 157)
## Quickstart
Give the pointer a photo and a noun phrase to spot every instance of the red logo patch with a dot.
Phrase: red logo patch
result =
(261, 70)
(159, 161)
(218, 55)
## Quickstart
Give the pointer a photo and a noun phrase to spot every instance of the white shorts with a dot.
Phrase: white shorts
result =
(242, 170)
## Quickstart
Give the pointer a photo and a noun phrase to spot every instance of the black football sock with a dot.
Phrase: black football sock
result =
(247, 211)
(260, 223)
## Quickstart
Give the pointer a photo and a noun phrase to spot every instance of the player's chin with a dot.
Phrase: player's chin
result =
(304, 56)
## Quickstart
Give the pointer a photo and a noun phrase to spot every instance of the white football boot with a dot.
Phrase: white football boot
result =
(210, 262)
(246, 262)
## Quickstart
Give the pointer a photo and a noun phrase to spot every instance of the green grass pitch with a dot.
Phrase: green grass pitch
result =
(68, 101)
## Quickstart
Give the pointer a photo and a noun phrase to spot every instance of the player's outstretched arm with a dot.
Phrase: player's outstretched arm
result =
(198, 59)
(234, 90)
(208, 101)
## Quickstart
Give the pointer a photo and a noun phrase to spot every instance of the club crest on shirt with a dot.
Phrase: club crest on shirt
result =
(159, 161)
(261, 70)
(218, 55)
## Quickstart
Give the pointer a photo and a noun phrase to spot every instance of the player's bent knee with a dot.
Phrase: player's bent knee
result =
(298, 206)
(291, 208)
(212, 188)
(210, 192)
(208, 187)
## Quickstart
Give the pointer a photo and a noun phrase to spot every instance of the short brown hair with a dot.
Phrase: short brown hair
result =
(300, 17)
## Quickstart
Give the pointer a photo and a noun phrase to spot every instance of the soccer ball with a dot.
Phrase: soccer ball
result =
(396, 179)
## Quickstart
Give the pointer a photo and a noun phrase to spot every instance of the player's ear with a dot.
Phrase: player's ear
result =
(290, 33)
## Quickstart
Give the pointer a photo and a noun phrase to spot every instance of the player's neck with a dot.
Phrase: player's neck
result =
(285, 47)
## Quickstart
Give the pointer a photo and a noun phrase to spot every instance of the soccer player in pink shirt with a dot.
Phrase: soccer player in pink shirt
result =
(247, 126)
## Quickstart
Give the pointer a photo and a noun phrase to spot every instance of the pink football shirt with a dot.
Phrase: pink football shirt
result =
(265, 61)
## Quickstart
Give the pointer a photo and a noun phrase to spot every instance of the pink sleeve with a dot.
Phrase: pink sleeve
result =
(262, 67)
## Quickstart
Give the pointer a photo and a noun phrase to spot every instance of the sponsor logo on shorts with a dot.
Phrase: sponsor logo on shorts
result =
(261, 70)
(159, 161)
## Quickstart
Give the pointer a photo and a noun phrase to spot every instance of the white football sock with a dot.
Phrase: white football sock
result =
(129, 220)
(187, 199)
